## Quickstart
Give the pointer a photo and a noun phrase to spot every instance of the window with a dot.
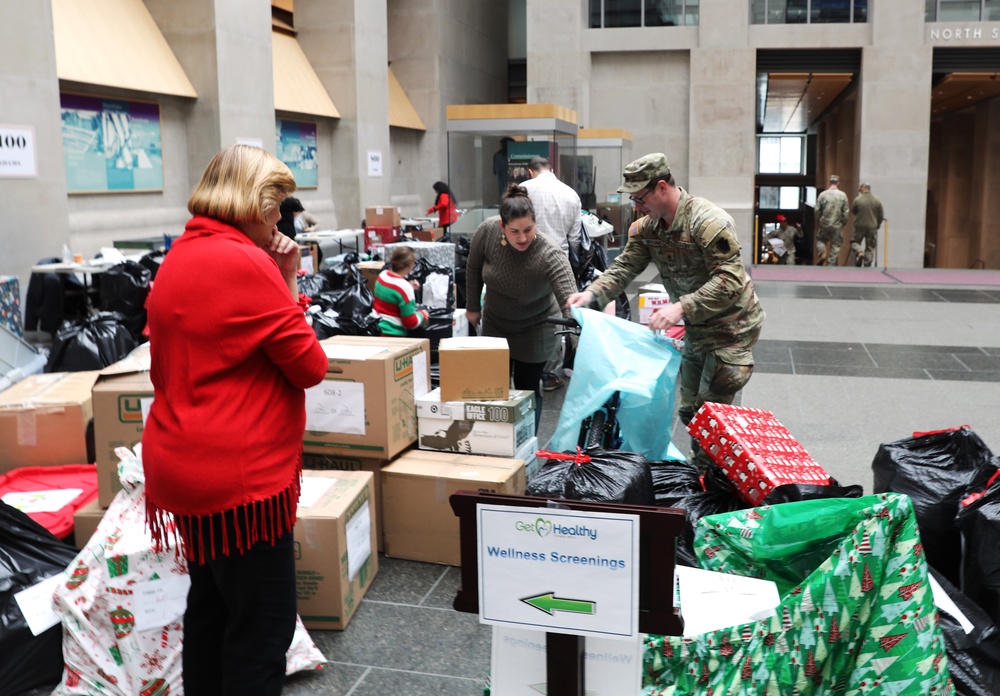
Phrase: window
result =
(780, 197)
(808, 11)
(779, 154)
(643, 13)
(962, 10)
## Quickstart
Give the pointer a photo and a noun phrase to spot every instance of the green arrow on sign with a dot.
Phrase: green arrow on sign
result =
(549, 603)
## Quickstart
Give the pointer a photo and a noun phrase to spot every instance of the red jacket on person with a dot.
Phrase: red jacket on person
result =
(446, 210)
(232, 355)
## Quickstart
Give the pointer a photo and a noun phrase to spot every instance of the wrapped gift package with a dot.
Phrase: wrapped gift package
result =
(10, 304)
(754, 450)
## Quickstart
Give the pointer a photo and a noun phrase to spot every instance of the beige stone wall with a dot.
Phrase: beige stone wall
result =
(35, 209)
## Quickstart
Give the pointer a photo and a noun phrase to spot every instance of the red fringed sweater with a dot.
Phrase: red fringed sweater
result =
(231, 357)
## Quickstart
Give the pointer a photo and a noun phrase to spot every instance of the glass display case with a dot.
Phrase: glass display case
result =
(602, 154)
(490, 145)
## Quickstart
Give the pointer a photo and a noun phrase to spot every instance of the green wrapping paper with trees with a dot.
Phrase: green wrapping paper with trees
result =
(856, 616)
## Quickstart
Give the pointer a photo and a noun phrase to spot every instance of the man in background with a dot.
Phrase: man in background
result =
(558, 217)
(831, 215)
(867, 211)
(787, 234)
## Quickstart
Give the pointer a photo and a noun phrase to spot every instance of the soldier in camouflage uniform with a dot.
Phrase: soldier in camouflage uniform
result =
(831, 216)
(867, 211)
(693, 244)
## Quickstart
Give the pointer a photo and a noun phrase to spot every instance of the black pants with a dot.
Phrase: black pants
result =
(239, 622)
(528, 376)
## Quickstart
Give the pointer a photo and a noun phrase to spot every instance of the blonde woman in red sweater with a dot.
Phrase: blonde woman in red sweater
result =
(232, 356)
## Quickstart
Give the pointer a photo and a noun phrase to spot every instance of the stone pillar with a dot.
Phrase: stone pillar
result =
(224, 47)
(36, 214)
(722, 152)
(894, 124)
(346, 42)
(558, 69)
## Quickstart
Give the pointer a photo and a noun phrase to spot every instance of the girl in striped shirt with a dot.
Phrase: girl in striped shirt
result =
(394, 300)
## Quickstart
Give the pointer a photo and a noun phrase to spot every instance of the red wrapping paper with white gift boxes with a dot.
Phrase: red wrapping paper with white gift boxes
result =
(754, 450)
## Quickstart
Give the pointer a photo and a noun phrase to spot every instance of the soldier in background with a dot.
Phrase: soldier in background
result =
(787, 234)
(831, 215)
(693, 244)
(867, 211)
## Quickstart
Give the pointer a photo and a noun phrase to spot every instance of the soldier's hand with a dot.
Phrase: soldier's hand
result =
(663, 319)
(580, 299)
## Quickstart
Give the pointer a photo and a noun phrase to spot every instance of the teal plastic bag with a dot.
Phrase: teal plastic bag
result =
(618, 355)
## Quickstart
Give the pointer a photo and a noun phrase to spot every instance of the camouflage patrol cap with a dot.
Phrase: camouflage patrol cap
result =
(639, 173)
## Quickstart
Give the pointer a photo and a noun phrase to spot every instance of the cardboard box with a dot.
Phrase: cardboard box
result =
(85, 522)
(382, 216)
(428, 234)
(419, 522)
(321, 461)
(370, 270)
(364, 407)
(459, 323)
(754, 450)
(335, 556)
(118, 396)
(309, 257)
(649, 302)
(498, 428)
(44, 418)
(474, 368)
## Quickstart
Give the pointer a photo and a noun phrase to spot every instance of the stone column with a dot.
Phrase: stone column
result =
(346, 42)
(36, 213)
(224, 47)
(894, 124)
(558, 69)
(722, 152)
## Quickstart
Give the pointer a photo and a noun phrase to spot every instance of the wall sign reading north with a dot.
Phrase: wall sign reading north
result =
(111, 145)
(296, 147)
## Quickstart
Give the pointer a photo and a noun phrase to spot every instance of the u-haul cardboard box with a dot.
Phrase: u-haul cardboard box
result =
(365, 405)
(418, 520)
(335, 557)
(649, 302)
(474, 368)
(322, 461)
(118, 396)
(44, 418)
(498, 428)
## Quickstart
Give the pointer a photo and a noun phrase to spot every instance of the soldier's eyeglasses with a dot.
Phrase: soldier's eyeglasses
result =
(640, 199)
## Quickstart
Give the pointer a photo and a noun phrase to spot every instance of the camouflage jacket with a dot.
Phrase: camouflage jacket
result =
(698, 258)
(831, 208)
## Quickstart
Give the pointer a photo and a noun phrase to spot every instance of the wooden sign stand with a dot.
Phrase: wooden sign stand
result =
(658, 530)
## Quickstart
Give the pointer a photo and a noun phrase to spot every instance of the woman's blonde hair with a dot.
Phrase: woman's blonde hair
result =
(242, 184)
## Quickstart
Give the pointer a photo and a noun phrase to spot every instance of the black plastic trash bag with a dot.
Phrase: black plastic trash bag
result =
(679, 485)
(90, 344)
(341, 271)
(935, 470)
(124, 288)
(973, 657)
(978, 519)
(325, 326)
(313, 284)
(152, 262)
(354, 302)
(440, 323)
(794, 492)
(462, 246)
(599, 475)
(29, 553)
(426, 272)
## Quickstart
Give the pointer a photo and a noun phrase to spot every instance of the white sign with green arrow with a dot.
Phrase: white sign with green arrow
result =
(556, 570)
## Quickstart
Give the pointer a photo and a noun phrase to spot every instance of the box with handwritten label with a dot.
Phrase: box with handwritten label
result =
(335, 546)
(323, 461)
(365, 406)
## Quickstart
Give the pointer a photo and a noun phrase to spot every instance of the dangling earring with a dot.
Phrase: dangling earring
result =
(503, 239)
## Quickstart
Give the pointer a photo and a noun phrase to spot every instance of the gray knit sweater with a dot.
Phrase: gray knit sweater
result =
(523, 288)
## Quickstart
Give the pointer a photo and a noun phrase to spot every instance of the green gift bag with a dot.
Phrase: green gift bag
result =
(856, 616)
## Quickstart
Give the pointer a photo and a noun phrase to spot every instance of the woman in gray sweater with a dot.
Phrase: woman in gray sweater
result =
(528, 279)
